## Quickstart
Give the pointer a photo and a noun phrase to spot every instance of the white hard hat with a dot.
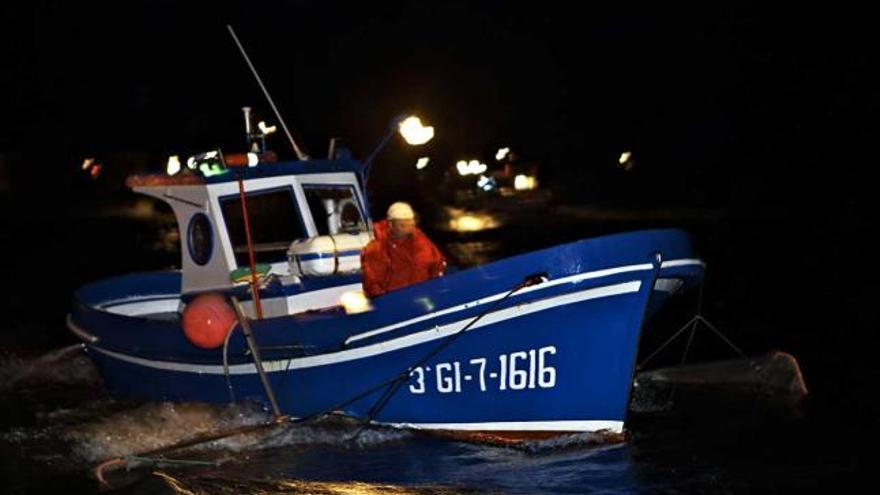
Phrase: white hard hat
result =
(401, 211)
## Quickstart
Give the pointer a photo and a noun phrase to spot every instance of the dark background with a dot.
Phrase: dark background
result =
(744, 106)
(766, 116)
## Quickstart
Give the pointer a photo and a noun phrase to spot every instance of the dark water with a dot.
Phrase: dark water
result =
(56, 423)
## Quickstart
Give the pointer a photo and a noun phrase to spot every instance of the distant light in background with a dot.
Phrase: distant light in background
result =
(486, 183)
(414, 132)
(525, 182)
(422, 163)
(502, 153)
(462, 221)
(467, 223)
(473, 167)
(173, 165)
(626, 161)
(355, 302)
(92, 167)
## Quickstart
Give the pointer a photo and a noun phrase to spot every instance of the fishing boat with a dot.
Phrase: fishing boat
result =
(268, 305)
(537, 344)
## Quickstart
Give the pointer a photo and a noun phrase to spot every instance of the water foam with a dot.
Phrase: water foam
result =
(65, 366)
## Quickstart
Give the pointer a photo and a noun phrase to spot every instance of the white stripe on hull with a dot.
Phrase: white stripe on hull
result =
(438, 332)
(572, 426)
(478, 302)
(682, 262)
(140, 308)
(573, 279)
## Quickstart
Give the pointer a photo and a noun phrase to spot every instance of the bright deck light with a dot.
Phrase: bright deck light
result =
(355, 302)
(502, 153)
(266, 130)
(173, 165)
(253, 159)
(414, 132)
(422, 163)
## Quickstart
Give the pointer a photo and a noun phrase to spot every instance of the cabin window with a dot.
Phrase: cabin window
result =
(334, 209)
(200, 239)
(274, 224)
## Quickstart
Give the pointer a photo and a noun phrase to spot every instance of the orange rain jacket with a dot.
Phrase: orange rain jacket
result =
(390, 264)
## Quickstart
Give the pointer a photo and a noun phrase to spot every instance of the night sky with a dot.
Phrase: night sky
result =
(768, 115)
(720, 105)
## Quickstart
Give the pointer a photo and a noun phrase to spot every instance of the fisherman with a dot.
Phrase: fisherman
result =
(400, 255)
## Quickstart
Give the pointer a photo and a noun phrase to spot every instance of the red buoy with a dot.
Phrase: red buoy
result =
(207, 319)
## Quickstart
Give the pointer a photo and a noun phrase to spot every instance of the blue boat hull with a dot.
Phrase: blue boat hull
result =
(556, 357)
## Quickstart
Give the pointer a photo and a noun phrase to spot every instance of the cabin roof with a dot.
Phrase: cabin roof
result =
(264, 169)
(288, 168)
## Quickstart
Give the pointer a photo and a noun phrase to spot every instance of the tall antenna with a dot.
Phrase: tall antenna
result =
(299, 153)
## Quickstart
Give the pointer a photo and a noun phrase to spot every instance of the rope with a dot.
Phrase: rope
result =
(151, 454)
(170, 462)
(687, 347)
(129, 461)
(226, 364)
(722, 337)
(668, 341)
(692, 323)
(699, 311)
(99, 469)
